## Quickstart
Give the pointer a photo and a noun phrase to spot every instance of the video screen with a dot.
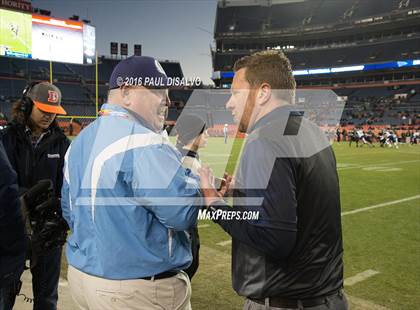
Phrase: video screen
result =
(57, 40)
(15, 34)
(89, 44)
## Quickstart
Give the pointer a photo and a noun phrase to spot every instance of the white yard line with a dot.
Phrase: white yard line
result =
(203, 225)
(394, 163)
(215, 155)
(389, 203)
(224, 243)
(340, 166)
(216, 162)
(359, 303)
(360, 277)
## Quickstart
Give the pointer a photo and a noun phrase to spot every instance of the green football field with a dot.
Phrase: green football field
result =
(381, 236)
(16, 31)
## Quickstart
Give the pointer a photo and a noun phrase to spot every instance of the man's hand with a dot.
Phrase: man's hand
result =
(210, 194)
(228, 185)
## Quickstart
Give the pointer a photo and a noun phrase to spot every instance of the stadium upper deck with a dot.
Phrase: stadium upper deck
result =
(285, 16)
(318, 33)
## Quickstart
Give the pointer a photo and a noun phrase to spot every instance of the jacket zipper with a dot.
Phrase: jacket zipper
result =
(170, 237)
(30, 161)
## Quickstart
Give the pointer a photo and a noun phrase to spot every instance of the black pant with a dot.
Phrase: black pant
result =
(7, 297)
(336, 302)
(45, 276)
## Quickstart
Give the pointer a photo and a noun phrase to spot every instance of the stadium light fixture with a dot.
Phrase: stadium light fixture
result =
(319, 71)
(347, 69)
(365, 67)
(300, 72)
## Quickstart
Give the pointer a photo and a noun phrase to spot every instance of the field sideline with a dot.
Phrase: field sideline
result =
(381, 245)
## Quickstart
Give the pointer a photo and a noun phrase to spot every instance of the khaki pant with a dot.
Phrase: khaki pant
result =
(93, 293)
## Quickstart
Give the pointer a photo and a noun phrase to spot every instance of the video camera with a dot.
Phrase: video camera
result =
(46, 227)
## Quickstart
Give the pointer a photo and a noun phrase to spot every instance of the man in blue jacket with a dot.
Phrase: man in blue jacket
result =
(12, 236)
(128, 201)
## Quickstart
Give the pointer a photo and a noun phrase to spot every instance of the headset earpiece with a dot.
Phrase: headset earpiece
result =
(26, 106)
(27, 103)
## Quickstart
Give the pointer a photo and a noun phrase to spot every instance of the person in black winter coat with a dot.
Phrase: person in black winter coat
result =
(36, 147)
(12, 235)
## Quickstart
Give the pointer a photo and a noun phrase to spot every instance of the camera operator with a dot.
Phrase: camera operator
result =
(36, 146)
(12, 236)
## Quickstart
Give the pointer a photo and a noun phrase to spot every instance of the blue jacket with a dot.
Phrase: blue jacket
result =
(127, 200)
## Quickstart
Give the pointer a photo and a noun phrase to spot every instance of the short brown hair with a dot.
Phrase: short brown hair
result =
(271, 67)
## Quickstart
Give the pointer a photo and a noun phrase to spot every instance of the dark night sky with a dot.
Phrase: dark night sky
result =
(171, 29)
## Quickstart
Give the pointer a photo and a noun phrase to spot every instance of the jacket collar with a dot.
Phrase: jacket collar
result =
(279, 112)
(22, 132)
(116, 110)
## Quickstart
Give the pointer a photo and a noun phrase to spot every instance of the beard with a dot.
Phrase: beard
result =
(248, 111)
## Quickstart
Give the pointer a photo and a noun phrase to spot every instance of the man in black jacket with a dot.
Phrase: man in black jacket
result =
(36, 148)
(291, 256)
(12, 236)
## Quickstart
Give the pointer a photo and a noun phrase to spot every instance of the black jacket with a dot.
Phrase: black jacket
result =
(45, 161)
(12, 235)
(294, 250)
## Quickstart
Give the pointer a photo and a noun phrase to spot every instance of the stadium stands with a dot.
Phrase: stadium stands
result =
(365, 105)
(379, 106)
(325, 34)
(257, 16)
(318, 33)
(77, 82)
(242, 27)
(330, 55)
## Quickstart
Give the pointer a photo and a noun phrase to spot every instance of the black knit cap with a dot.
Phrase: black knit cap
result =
(189, 127)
